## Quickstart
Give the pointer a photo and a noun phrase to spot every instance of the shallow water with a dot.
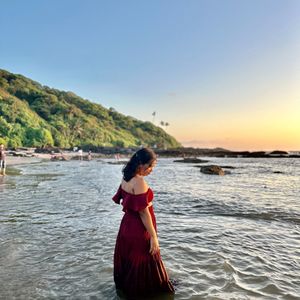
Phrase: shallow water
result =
(222, 237)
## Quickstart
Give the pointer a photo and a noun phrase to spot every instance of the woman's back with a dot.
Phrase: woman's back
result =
(136, 185)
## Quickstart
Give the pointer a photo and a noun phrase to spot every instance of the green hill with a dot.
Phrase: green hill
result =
(33, 115)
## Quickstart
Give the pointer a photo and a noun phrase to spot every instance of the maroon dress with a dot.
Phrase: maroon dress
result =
(137, 273)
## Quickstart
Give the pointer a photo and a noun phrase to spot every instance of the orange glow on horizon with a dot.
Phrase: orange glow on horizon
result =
(271, 130)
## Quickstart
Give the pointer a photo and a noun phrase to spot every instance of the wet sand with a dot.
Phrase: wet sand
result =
(16, 160)
(37, 157)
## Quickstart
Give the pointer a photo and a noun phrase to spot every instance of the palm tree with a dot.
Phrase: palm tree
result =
(167, 124)
(153, 115)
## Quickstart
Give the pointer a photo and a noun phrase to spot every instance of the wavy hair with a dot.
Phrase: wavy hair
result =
(141, 157)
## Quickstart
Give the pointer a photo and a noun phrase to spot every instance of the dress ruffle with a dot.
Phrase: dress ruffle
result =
(133, 202)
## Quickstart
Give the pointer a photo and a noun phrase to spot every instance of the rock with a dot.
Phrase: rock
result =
(20, 154)
(223, 167)
(212, 170)
(58, 158)
(278, 152)
(119, 162)
(191, 160)
(227, 167)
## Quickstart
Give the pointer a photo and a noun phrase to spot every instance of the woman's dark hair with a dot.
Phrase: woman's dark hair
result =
(141, 157)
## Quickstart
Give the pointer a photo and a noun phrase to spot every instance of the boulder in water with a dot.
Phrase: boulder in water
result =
(212, 170)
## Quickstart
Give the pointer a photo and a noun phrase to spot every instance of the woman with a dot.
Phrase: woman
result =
(138, 268)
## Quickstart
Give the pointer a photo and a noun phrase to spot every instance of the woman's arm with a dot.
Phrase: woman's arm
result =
(147, 221)
(139, 188)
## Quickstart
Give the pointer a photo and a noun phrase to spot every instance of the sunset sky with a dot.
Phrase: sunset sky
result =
(222, 73)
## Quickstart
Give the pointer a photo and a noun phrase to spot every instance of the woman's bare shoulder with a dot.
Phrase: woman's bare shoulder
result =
(137, 185)
(140, 186)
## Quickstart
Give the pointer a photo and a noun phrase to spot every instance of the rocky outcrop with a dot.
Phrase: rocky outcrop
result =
(213, 170)
(19, 154)
(119, 162)
(190, 160)
(279, 152)
(223, 167)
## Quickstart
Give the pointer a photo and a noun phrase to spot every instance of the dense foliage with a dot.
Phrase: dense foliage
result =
(33, 115)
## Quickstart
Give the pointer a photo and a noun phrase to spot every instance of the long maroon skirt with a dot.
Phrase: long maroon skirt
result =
(137, 273)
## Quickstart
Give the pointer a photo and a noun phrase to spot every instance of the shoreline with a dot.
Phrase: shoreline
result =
(20, 160)
(14, 161)
(27, 157)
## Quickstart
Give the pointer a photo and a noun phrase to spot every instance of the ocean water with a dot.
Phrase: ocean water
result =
(222, 237)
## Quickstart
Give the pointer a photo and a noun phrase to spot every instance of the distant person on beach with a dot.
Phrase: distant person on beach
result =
(138, 267)
(89, 155)
(80, 153)
(2, 160)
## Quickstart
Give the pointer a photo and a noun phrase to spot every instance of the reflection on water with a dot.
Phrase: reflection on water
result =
(229, 237)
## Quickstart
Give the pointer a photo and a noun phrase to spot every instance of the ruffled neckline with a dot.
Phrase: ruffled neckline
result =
(135, 194)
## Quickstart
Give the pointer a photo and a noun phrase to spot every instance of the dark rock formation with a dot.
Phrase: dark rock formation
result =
(223, 167)
(120, 162)
(191, 160)
(212, 170)
(278, 152)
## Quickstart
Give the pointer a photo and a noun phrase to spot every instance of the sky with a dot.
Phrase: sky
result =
(222, 73)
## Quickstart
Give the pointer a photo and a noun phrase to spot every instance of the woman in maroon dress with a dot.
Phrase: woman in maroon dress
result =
(138, 268)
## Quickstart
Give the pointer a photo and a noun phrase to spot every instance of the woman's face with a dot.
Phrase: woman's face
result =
(146, 169)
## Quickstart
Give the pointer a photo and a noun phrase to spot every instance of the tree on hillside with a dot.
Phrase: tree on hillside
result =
(27, 107)
(153, 115)
(167, 124)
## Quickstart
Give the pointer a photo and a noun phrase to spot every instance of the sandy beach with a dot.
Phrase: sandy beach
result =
(13, 160)
(36, 157)
(32, 157)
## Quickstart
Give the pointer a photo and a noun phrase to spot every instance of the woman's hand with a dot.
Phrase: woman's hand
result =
(147, 221)
(154, 246)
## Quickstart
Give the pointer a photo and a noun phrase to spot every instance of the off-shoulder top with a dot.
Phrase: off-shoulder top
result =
(133, 202)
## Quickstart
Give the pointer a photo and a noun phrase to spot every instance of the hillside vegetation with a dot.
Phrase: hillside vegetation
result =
(33, 115)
